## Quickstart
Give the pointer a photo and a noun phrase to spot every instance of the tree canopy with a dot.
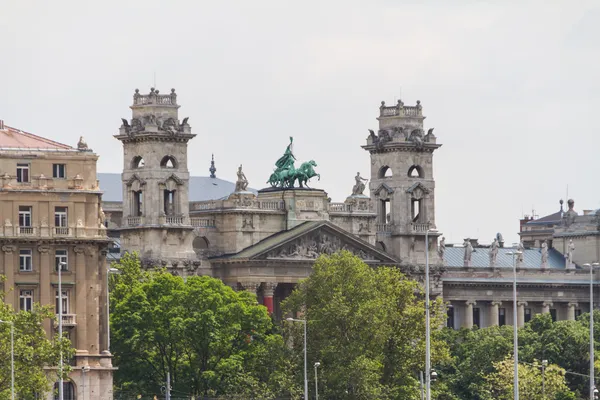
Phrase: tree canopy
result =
(366, 326)
(212, 340)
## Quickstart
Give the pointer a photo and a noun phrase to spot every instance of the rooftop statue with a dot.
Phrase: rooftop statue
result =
(286, 174)
(359, 187)
(242, 182)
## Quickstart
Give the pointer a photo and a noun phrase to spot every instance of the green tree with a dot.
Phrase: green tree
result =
(32, 352)
(212, 340)
(499, 385)
(366, 326)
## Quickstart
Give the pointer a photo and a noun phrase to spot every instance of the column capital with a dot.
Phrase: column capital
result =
(9, 249)
(573, 304)
(547, 303)
(522, 303)
(496, 303)
(470, 302)
(269, 288)
(43, 249)
(233, 285)
(252, 287)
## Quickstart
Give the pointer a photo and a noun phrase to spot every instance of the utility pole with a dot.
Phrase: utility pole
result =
(168, 390)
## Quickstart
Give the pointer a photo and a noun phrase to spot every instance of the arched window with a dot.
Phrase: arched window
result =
(200, 243)
(416, 171)
(385, 172)
(168, 162)
(68, 391)
(137, 162)
(380, 246)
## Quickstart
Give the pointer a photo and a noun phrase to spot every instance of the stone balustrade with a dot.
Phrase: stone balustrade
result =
(401, 110)
(155, 98)
(67, 320)
(419, 227)
(387, 228)
(339, 207)
(133, 221)
(202, 222)
(177, 220)
(45, 231)
(277, 205)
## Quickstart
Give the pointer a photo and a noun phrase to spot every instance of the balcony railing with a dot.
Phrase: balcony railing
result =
(61, 231)
(67, 320)
(419, 227)
(26, 231)
(384, 228)
(340, 207)
(134, 221)
(400, 110)
(175, 220)
(203, 223)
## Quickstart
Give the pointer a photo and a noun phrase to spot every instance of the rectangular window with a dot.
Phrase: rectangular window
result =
(60, 217)
(476, 317)
(26, 300)
(527, 314)
(553, 314)
(65, 302)
(25, 216)
(138, 203)
(61, 258)
(23, 173)
(25, 260)
(502, 316)
(59, 171)
(450, 319)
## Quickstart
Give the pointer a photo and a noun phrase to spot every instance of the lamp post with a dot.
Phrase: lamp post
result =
(592, 383)
(305, 360)
(544, 365)
(12, 357)
(108, 272)
(317, 365)
(515, 323)
(427, 317)
(60, 330)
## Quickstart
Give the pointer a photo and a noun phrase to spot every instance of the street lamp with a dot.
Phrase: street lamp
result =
(515, 323)
(427, 316)
(12, 357)
(544, 365)
(317, 365)
(60, 329)
(592, 383)
(305, 360)
(108, 272)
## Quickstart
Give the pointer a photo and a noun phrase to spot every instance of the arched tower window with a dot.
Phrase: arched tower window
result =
(168, 162)
(385, 172)
(68, 390)
(137, 162)
(416, 171)
(200, 243)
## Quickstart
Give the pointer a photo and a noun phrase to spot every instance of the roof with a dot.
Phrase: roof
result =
(282, 238)
(201, 187)
(13, 138)
(532, 258)
(548, 219)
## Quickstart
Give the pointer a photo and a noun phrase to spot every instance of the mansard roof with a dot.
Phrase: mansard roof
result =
(480, 258)
(278, 245)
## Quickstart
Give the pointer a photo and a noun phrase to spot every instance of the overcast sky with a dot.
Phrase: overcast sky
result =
(511, 88)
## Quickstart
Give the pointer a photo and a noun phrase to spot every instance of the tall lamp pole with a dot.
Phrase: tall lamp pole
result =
(592, 383)
(427, 317)
(305, 360)
(60, 329)
(317, 365)
(515, 323)
(12, 357)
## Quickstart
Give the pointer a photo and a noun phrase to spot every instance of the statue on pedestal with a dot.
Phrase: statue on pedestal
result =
(494, 252)
(544, 254)
(285, 174)
(242, 183)
(468, 252)
(359, 187)
(521, 250)
(442, 248)
(569, 255)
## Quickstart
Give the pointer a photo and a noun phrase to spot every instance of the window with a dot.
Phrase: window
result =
(169, 200)
(60, 217)
(502, 316)
(23, 173)
(527, 314)
(415, 209)
(476, 317)
(68, 391)
(553, 314)
(416, 172)
(385, 172)
(168, 162)
(137, 162)
(450, 319)
(60, 257)
(25, 216)
(138, 202)
(26, 300)
(25, 260)
(59, 171)
(65, 302)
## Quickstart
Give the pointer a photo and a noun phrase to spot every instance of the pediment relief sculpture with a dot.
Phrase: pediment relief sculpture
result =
(135, 179)
(312, 246)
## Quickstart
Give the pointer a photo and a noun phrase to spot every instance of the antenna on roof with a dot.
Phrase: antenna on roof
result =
(154, 79)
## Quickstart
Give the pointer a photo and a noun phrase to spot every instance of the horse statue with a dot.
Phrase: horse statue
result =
(286, 178)
(305, 173)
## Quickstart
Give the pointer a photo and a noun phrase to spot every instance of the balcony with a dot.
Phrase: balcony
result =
(202, 222)
(384, 228)
(419, 227)
(175, 220)
(134, 221)
(68, 320)
(26, 231)
(62, 231)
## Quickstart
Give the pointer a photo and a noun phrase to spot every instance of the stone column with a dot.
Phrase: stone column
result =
(46, 295)
(468, 322)
(494, 313)
(268, 292)
(251, 287)
(521, 313)
(571, 311)
(546, 307)
(80, 302)
(9, 272)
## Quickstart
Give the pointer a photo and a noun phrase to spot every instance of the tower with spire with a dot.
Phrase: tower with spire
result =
(155, 178)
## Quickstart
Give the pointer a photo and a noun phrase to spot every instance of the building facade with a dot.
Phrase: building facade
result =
(265, 241)
(52, 218)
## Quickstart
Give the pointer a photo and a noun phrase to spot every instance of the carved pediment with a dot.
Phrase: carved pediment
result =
(312, 240)
(172, 181)
(384, 189)
(417, 190)
(135, 178)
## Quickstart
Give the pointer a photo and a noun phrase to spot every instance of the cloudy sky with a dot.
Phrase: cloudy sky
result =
(511, 88)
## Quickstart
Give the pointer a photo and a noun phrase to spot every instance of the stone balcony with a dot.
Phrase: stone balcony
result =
(44, 231)
(400, 110)
(412, 228)
(216, 205)
(68, 320)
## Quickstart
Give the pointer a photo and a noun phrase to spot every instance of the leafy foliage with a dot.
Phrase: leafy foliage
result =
(366, 327)
(212, 340)
(32, 352)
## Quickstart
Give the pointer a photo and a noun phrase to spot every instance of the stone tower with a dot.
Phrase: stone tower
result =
(402, 184)
(155, 177)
